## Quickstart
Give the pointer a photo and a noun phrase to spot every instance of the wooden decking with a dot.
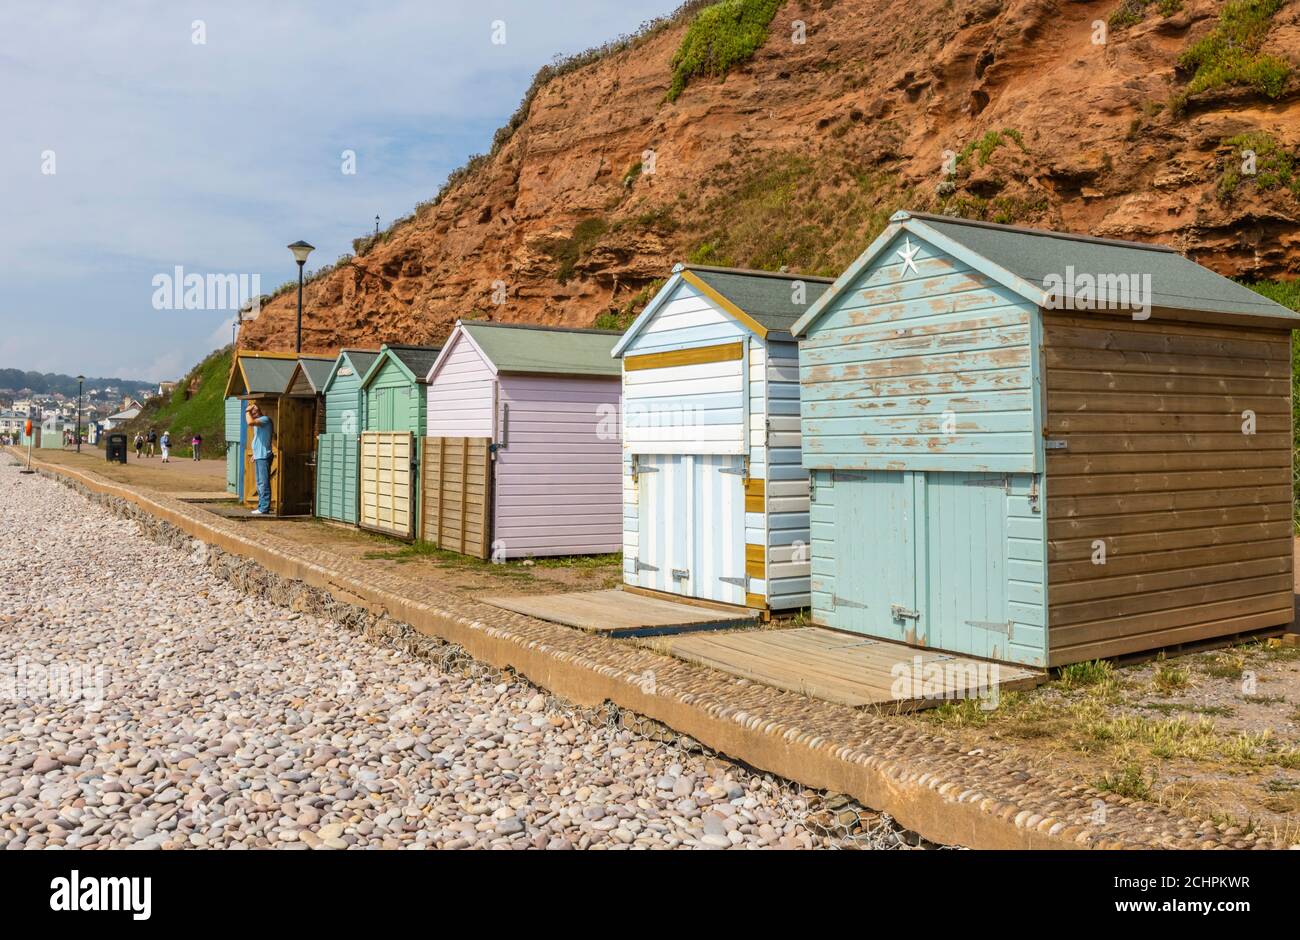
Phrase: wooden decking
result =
(622, 613)
(847, 669)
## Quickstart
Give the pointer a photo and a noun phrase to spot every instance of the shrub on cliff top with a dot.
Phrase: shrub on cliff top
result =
(721, 36)
(1274, 166)
(1230, 54)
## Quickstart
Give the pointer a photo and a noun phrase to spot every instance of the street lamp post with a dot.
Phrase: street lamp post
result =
(300, 251)
(81, 381)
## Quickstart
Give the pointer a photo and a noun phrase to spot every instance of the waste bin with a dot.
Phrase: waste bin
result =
(115, 448)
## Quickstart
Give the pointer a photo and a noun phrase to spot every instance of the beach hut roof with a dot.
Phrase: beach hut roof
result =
(1022, 259)
(526, 348)
(315, 371)
(255, 373)
(358, 360)
(415, 361)
(760, 300)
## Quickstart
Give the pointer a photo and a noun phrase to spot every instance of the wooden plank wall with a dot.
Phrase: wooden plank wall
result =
(1194, 515)
(557, 487)
(456, 494)
(930, 369)
(386, 482)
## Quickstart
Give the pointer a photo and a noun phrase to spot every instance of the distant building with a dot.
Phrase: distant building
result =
(11, 422)
(165, 387)
(114, 421)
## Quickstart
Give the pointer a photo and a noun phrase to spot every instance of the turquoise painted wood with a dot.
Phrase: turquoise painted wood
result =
(394, 402)
(338, 448)
(234, 422)
(337, 469)
(920, 406)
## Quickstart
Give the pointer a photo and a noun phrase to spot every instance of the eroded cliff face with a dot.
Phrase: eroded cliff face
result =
(1006, 110)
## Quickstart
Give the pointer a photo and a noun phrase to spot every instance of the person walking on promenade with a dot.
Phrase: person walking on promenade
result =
(166, 446)
(150, 441)
(197, 443)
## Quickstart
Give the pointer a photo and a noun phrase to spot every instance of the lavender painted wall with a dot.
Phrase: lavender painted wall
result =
(559, 475)
(460, 396)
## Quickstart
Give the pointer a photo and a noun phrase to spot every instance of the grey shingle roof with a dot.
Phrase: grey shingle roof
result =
(764, 295)
(267, 375)
(1032, 254)
(515, 347)
(362, 359)
(419, 359)
(317, 369)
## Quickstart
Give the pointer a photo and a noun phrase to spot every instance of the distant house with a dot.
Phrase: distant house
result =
(166, 387)
(11, 422)
(115, 421)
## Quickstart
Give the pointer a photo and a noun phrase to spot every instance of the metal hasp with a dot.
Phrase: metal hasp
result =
(899, 612)
(681, 574)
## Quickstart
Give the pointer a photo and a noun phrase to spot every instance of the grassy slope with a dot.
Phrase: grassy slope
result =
(183, 414)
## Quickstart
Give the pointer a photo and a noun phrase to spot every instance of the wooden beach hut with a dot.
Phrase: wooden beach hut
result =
(1044, 448)
(307, 384)
(396, 403)
(51, 436)
(522, 454)
(264, 377)
(338, 447)
(715, 495)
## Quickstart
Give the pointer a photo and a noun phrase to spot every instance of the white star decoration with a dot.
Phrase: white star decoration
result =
(908, 254)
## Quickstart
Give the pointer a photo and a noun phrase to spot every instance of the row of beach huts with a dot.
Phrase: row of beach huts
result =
(964, 443)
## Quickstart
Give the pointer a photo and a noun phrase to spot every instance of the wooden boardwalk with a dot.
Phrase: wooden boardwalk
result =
(848, 669)
(623, 613)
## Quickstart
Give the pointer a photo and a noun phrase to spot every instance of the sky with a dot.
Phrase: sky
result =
(142, 136)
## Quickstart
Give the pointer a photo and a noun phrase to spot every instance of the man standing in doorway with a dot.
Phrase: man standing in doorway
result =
(262, 430)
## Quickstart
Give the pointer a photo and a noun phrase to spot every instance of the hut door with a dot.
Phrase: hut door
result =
(875, 555)
(295, 451)
(661, 501)
(691, 525)
(718, 527)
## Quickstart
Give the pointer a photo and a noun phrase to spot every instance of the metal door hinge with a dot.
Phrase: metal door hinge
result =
(837, 601)
(742, 471)
(899, 612)
(1055, 445)
(812, 487)
(681, 574)
(645, 566)
(1003, 481)
(994, 626)
(739, 582)
(637, 469)
(1033, 495)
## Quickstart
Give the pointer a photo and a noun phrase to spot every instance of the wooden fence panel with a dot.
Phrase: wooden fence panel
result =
(457, 497)
(386, 483)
